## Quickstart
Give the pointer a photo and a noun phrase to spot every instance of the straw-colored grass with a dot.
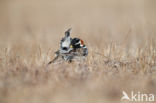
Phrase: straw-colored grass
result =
(120, 36)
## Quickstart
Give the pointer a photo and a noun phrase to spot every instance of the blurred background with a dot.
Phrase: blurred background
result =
(101, 20)
(30, 32)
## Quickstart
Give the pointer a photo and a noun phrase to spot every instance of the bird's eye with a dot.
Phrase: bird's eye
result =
(64, 48)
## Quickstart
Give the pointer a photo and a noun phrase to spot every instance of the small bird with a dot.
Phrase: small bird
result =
(70, 48)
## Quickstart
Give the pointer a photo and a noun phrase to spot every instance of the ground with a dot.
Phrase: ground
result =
(120, 36)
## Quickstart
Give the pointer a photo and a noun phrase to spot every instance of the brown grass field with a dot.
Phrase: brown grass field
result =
(120, 36)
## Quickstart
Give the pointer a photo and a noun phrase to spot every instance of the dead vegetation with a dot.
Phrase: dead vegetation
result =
(121, 43)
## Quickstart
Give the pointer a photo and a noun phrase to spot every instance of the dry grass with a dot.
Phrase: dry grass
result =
(120, 36)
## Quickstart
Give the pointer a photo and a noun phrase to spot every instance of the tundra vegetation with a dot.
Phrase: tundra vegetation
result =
(120, 36)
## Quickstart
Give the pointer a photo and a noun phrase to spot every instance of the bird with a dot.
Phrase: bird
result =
(70, 48)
